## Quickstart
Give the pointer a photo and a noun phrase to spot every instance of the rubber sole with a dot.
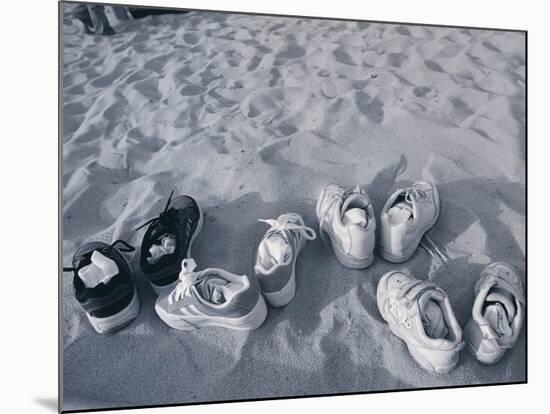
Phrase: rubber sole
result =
(119, 320)
(160, 289)
(252, 320)
(407, 253)
(349, 261)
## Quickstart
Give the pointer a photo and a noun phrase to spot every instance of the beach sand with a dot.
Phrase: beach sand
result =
(252, 116)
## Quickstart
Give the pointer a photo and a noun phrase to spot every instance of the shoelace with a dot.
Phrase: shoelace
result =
(188, 278)
(286, 223)
(333, 199)
(414, 194)
(165, 218)
(126, 249)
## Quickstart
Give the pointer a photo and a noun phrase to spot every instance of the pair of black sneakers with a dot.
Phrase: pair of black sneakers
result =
(113, 303)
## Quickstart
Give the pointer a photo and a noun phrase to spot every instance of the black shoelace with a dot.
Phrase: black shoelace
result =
(166, 218)
(127, 248)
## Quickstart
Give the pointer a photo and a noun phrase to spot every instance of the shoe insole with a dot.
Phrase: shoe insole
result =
(273, 250)
(400, 212)
(217, 289)
(167, 245)
(101, 269)
(496, 317)
(355, 216)
(433, 320)
(354, 210)
(505, 298)
(499, 312)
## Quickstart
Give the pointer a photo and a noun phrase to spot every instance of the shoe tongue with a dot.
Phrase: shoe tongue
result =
(101, 269)
(273, 250)
(433, 319)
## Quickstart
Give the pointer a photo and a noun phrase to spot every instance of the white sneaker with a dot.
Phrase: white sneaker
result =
(277, 254)
(497, 315)
(346, 215)
(420, 314)
(407, 215)
(212, 297)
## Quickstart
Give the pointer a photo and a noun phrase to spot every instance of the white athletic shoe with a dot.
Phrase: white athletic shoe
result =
(497, 315)
(347, 216)
(420, 314)
(277, 255)
(407, 215)
(212, 297)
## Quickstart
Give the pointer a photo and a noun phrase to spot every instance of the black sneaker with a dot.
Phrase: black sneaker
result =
(178, 225)
(112, 303)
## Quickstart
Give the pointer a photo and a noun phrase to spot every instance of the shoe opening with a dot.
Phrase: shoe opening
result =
(435, 317)
(401, 211)
(273, 251)
(355, 211)
(499, 311)
(219, 288)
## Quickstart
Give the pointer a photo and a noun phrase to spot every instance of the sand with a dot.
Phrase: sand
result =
(252, 116)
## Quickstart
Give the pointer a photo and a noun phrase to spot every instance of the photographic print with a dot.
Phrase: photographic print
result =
(262, 206)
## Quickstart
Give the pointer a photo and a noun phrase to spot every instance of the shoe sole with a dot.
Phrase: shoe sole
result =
(160, 289)
(418, 357)
(349, 261)
(406, 255)
(252, 320)
(345, 260)
(119, 320)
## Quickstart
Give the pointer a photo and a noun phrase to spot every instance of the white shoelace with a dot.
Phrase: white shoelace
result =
(188, 278)
(414, 194)
(286, 223)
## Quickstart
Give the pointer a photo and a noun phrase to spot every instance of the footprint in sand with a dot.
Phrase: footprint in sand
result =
(156, 64)
(292, 51)
(430, 64)
(373, 109)
(107, 80)
(421, 91)
(117, 110)
(403, 31)
(396, 59)
(271, 154)
(271, 103)
(343, 57)
(149, 88)
(191, 90)
(254, 63)
(73, 109)
(190, 39)
(491, 47)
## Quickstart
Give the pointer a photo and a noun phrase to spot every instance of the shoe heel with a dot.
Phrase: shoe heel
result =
(119, 320)
(283, 296)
